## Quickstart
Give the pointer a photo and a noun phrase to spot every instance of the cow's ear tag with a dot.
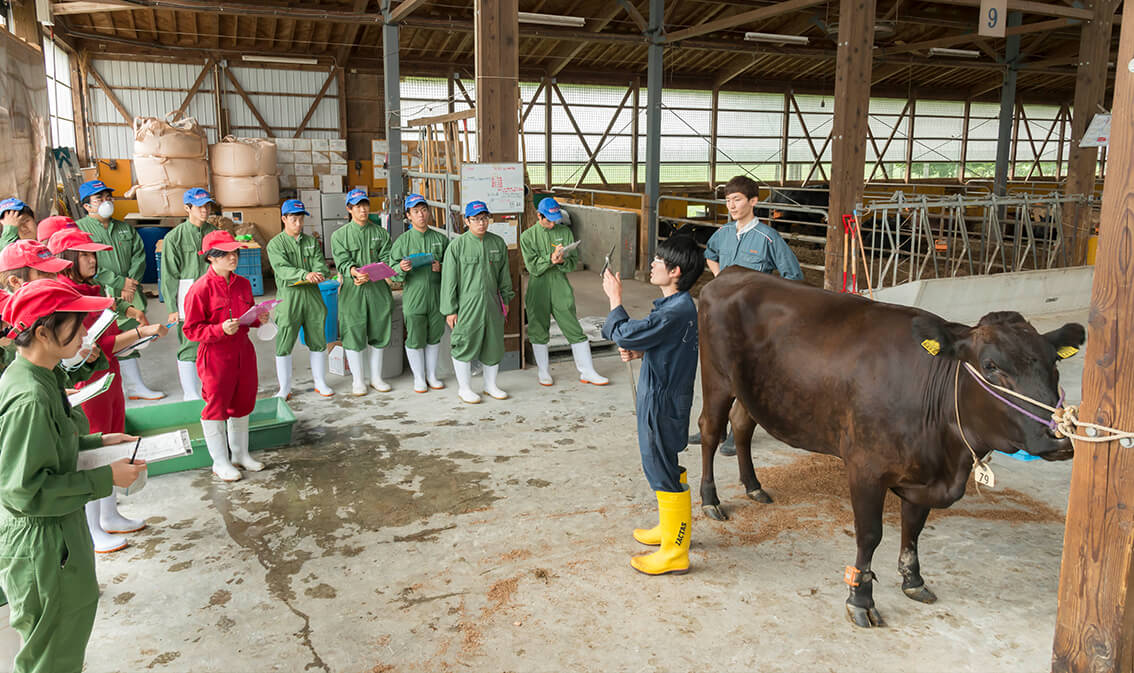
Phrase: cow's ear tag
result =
(983, 475)
(931, 346)
(1066, 352)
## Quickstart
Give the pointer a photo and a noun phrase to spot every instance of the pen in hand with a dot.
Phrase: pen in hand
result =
(135, 454)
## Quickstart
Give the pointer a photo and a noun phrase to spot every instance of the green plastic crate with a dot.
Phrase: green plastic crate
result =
(270, 425)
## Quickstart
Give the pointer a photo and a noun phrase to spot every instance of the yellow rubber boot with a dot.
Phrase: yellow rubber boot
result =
(652, 536)
(676, 513)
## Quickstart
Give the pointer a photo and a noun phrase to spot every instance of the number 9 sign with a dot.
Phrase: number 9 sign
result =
(992, 18)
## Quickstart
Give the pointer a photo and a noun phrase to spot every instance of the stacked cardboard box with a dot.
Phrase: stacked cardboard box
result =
(307, 163)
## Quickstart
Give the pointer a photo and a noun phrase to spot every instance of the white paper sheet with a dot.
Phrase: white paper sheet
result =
(183, 286)
(152, 449)
(91, 390)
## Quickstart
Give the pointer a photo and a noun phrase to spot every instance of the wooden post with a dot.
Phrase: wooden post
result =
(1090, 89)
(1095, 620)
(25, 24)
(852, 105)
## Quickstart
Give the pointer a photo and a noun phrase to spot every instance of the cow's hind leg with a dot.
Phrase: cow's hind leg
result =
(913, 520)
(743, 426)
(714, 414)
(867, 500)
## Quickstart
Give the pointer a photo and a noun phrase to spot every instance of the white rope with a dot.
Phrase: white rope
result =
(1065, 417)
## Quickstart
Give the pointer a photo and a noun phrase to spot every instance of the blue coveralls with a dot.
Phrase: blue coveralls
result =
(668, 339)
(760, 249)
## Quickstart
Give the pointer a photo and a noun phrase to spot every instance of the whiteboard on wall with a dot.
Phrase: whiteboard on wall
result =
(500, 186)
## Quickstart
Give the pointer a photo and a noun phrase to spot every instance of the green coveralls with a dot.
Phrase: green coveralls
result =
(9, 234)
(301, 306)
(425, 325)
(47, 566)
(127, 259)
(474, 281)
(179, 260)
(364, 310)
(549, 293)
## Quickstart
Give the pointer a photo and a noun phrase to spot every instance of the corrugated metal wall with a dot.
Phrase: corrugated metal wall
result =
(282, 98)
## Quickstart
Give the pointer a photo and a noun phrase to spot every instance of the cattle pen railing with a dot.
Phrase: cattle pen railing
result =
(908, 239)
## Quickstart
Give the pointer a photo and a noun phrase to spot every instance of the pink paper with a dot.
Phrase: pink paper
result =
(253, 314)
(377, 271)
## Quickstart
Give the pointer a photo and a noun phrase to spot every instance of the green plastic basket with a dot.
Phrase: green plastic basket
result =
(270, 425)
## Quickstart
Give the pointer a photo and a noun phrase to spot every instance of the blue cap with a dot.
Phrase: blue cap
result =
(355, 195)
(197, 196)
(12, 204)
(92, 187)
(549, 208)
(413, 199)
(292, 207)
(475, 208)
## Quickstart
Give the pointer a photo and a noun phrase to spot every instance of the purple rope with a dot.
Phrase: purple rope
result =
(1046, 421)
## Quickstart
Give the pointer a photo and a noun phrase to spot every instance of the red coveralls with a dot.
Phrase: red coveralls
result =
(107, 412)
(226, 364)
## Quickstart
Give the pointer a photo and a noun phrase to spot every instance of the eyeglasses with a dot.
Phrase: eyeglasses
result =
(480, 219)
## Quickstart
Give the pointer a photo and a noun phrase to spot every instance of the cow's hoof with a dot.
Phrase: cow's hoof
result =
(760, 495)
(921, 594)
(714, 512)
(864, 617)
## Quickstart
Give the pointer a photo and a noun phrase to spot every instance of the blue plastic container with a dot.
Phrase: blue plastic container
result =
(249, 267)
(150, 237)
(330, 290)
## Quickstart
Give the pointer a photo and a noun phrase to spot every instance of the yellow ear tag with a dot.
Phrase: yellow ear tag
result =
(1066, 352)
(932, 347)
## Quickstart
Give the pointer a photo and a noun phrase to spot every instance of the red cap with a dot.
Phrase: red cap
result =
(220, 240)
(74, 239)
(25, 253)
(44, 297)
(49, 225)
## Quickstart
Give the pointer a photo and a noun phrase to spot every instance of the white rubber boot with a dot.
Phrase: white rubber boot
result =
(104, 542)
(216, 438)
(543, 362)
(112, 520)
(416, 357)
(376, 382)
(283, 374)
(354, 362)
(586, 367)
(190, 382)
(432, 352)
(463, 371)
(490, 387)
(132, 381)
(319, 373)
(238, 442)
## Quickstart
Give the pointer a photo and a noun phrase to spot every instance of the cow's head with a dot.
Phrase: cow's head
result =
(1009, 352)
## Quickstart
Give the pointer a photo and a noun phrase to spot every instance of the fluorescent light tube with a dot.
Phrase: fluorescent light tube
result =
(280, 59)
(777, 39)
(959, 53)
(552, 19)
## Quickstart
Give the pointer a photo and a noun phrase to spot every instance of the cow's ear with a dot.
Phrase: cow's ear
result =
(1067, 339)
(938, 337)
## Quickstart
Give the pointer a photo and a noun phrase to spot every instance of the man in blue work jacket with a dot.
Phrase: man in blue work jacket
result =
(666, 340)
(748, 242)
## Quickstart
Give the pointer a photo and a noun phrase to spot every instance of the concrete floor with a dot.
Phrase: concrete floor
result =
(403, 532)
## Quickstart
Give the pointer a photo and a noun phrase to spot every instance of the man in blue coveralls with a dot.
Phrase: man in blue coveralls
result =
(666, 340)
(748, 242)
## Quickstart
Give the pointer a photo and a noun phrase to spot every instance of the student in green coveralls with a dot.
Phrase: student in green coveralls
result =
(550, 294)
(475, 287)
(47, 568)
(364, 303)
(120, 272)
(181, 266)
(18, 221)
(421, 294)
(297, 257)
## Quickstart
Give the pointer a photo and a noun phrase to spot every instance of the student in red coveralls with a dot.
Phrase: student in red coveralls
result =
(107, 412)
(226, 360)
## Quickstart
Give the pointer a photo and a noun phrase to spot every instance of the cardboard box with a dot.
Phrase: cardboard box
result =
(334, 156)
(305, 182)
(303, 157)
(304, 169)
(320, 144)
(338, 145)
(321, 169)
(330, 184)
(301, 144)
(339, 169)
(287, 181)
(285, 157)
(287, 144)
(266, 219)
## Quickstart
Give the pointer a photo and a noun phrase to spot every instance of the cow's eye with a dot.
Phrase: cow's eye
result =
(990, 366)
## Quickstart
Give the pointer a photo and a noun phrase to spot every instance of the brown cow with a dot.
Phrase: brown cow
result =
(846, 376)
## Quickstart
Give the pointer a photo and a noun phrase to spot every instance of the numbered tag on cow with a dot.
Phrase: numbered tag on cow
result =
(984, 476)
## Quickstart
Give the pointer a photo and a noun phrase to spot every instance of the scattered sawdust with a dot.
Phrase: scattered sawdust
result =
(544, 574)
(516, 555)
(123, 598)
(812, 498)
(164, 658)
(219, 598)
(500, 594)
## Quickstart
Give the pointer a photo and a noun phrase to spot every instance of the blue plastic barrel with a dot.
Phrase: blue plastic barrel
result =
(330, 291)
(150, 237)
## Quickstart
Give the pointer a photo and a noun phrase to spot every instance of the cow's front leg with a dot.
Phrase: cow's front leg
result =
(913, 520)
(867, 500)
(714, 415)
(743, 426)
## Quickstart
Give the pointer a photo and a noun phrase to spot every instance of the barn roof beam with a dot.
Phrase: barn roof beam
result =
(742, 18)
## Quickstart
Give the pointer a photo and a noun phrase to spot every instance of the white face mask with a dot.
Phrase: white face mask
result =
(106, 209)
(75, 361)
